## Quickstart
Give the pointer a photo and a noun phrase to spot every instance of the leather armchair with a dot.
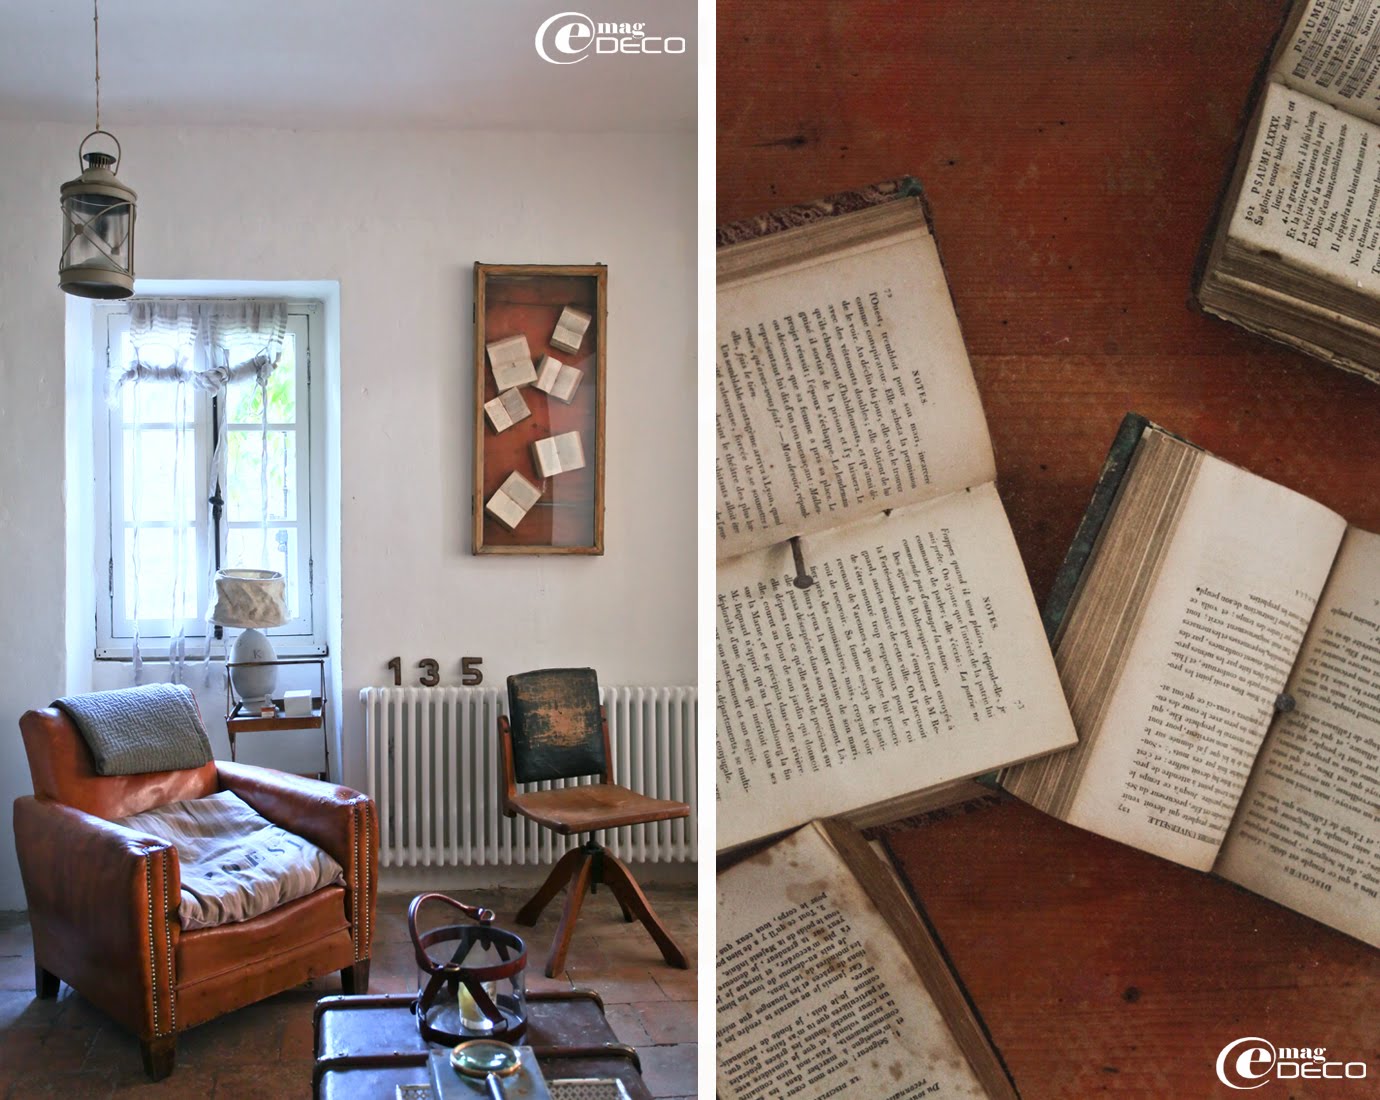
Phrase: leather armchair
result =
(103, 899)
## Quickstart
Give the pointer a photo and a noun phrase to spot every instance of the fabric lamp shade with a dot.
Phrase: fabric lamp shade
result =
(249, 598)
(252, 599)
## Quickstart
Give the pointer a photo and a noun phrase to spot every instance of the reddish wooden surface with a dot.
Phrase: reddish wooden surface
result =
(564, 516)
(1101, 970)
(1073, 154)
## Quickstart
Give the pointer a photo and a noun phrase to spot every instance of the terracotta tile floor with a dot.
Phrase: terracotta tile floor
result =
(67, 1048)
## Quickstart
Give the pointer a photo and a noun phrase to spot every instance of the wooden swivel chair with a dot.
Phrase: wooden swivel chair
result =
(555, 729)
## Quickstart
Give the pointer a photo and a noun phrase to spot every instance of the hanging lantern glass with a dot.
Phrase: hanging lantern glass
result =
(471, 981)
(97, 228)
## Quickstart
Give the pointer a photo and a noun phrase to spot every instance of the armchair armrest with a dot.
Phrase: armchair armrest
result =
(327, 815)
(338, 820)
(103, 907)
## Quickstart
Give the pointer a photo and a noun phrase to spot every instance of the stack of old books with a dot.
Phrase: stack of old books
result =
(1204, 683)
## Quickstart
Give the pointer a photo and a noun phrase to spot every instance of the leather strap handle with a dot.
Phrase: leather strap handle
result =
(484, 917)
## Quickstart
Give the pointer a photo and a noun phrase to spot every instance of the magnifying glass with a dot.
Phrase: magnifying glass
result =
(489, 1059)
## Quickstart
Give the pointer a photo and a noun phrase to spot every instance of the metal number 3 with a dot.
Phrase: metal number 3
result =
(470, 673)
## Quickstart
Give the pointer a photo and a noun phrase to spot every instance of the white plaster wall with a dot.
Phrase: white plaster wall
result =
(398, 220)
(32, 392)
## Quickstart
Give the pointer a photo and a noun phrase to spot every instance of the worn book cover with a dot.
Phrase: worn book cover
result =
(878, 643)
(831, 983)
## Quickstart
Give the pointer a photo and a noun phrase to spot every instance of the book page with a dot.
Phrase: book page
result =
(843, 388)
(1310, 191)
(1221, 627)
(917, 657)
(815, 996)
(1333, 54)
(1308, 831)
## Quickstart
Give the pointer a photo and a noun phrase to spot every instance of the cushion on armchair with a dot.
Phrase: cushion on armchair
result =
(151, 728)
(234, 863)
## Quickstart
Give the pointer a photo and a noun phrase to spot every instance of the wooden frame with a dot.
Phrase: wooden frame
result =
(527, 300)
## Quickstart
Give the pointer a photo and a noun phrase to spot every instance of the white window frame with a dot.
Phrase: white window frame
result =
(303, 636)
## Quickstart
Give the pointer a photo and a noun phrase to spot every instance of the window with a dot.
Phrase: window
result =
(191, 478)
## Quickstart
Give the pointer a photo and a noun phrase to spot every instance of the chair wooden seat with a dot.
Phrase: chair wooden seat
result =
(598, 806)
(556, 729)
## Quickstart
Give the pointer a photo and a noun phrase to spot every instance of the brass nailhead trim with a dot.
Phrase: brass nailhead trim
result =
(153, 953)
(355, 880)
(363, 817)
(367, 813)
(167, 939)
(364, 859)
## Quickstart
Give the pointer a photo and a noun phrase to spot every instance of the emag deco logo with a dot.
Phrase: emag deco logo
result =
(570, 37)
(1252, 1062)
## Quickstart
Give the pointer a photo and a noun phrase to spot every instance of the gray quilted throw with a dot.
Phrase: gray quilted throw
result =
(151, 728)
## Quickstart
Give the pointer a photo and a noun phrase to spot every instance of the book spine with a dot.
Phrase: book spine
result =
(792, 217)
(1066, 581)
(1219, 209)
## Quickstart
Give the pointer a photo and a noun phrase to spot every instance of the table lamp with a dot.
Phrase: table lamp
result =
(252, 599)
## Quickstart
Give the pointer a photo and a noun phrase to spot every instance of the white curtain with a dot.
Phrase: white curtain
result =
(177, 349)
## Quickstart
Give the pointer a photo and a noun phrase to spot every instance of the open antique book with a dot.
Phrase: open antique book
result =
(1220, 646)
(1296, 251)
(830, 984)
(877, 637)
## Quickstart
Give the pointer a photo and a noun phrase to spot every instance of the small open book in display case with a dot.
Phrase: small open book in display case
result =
(539, 408)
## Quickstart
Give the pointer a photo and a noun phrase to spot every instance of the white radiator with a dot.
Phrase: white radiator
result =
(434, 772)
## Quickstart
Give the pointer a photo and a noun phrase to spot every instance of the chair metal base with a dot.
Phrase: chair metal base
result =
(584, 868)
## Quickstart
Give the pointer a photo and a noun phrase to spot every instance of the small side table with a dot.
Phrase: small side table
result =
(240, 718)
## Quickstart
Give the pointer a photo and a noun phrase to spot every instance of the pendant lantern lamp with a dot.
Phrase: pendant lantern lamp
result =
(97, 217)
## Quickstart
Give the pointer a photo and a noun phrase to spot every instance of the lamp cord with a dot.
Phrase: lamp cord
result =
(96, 5)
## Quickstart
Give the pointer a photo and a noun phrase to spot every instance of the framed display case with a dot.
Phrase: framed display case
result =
(539, 408)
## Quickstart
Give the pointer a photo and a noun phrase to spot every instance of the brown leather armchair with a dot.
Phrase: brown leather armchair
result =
(103, 899)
